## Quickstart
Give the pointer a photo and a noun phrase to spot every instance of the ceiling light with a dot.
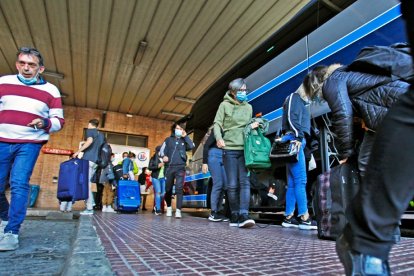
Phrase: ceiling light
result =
(53, 75)
(129, 115)
(172, 114)
(140, 52)
(184, 99)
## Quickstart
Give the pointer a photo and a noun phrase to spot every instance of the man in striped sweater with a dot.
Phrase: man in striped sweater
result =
(30, 109)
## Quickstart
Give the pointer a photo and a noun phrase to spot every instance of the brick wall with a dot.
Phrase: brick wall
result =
(76, 119)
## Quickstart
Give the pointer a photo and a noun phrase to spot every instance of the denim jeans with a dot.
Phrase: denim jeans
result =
(159, 191)
(4, 207)
(18, 160)
(238, 183)
(218, 174)
(296, 191)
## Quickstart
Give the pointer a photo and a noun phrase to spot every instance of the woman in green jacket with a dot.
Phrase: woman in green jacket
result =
(232, 116)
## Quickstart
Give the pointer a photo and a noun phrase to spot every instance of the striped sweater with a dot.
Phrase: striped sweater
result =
(20, 104)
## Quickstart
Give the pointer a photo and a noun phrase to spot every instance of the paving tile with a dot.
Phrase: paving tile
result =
(193, 246)
(211, 273)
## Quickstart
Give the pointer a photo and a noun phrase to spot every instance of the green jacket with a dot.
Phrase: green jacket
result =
(230, 121)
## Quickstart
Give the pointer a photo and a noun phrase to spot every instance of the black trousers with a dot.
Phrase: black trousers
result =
(98, 196)
(388, 185)
(177, 174)
(365, 151)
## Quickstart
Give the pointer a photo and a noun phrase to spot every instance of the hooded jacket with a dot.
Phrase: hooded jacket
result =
(296, 116)
(175, 149)
(352, 93)
(230, 121)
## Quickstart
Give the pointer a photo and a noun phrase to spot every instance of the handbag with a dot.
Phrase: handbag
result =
(256, 146)
(284, 151)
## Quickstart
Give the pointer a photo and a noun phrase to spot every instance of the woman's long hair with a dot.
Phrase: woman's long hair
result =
(313, 81)
(142, 176)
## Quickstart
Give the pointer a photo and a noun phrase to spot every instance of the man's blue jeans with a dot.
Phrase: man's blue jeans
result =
(19, 160)
(159, 191)
(218, 174)
(238, 183)
(296, 191)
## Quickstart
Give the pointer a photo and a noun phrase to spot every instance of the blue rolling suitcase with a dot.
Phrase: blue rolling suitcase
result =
(128, 196)
(73, 180)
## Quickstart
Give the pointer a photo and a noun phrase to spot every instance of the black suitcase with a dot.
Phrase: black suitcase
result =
(333, 192)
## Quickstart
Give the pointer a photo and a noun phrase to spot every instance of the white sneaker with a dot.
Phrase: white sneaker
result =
(169, 211)
(87, 212)
(9, 242)
(104, 209)
(2, 226)
(178, 213)
(69, 206)
(63, 205)
(109, 209)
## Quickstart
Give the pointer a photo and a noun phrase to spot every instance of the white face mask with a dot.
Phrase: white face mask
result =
(178, 133)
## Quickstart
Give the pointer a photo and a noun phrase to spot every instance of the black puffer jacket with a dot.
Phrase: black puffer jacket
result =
(358, 94)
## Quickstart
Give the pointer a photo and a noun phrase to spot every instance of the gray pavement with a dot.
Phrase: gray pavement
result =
(56, 246)
(44, 248)
(88, 255)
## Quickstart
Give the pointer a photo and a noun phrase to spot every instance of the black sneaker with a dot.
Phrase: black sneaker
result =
(359, 264)
(234, 220)
(290, 222)
(308, 224)
(215, 217)
(157, 212)
(223, 217)
(245, 221)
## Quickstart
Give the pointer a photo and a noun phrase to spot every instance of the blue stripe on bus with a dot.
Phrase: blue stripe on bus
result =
(348, 39)
(274, 114)
(278, 80)
(197, 176)
(355, 35)
(202, 197)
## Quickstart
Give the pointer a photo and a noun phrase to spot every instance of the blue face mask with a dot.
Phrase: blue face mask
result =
(241, 96)
(27, 81)
(178, 133)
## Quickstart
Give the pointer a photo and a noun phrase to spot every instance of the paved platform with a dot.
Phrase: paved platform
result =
(54, 243)
(144, 244)
(44, 248)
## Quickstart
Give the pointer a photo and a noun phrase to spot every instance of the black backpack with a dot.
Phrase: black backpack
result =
(104, 155)
(118, 172)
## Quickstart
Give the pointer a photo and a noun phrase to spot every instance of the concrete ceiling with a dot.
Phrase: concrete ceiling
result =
(93, 43)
